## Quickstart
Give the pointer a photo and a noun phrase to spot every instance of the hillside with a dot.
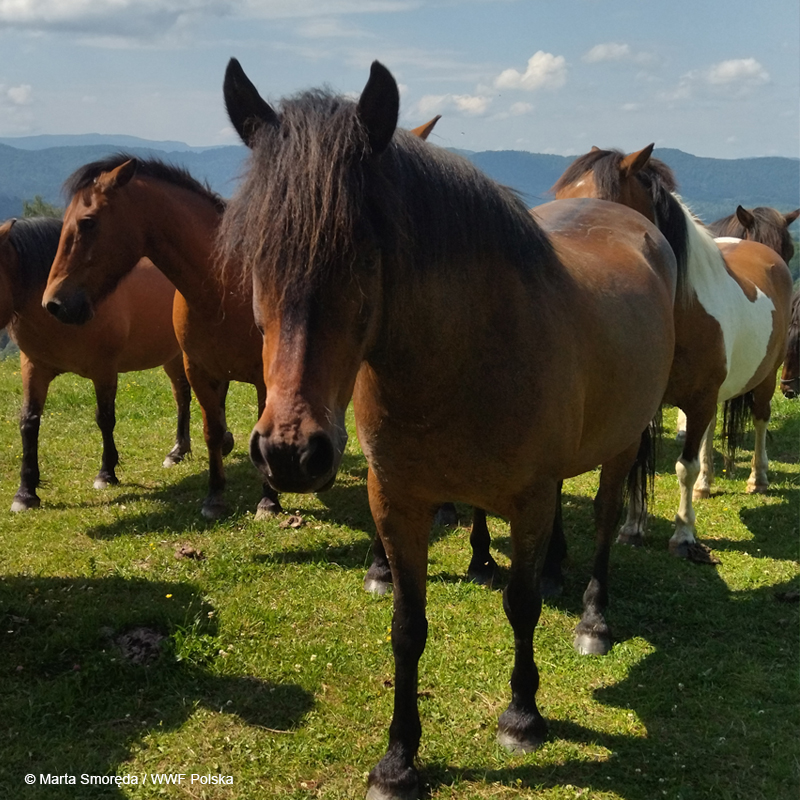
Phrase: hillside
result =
(712, 187)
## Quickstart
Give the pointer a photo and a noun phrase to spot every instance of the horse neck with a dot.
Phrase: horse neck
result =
(179, 233)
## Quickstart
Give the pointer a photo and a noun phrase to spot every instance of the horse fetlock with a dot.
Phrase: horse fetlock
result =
(521, 732)
(227, 443)
(105, 479)
(392, 779)
(25, 501)
(176, 455)
(484, 573)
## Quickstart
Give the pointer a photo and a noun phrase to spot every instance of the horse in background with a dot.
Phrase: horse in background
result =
(131, 331)
(483, 350)
(731, 319)
(770, 227)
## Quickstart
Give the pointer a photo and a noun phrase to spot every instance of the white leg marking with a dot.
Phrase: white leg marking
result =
(759, 480)
(702, 487)
(687, 472)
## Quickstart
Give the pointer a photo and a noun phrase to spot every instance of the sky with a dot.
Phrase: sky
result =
(718, 78)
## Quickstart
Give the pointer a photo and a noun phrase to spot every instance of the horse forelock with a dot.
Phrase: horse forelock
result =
(84, 177)
(35, 241)
(313, 188)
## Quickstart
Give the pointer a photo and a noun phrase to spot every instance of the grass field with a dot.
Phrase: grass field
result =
(265, 661)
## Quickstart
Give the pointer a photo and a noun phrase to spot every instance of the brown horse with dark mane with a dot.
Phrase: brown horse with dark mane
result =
(731, 319)
(122, 209)
(131, 331)
(770, 227)
(488, 354)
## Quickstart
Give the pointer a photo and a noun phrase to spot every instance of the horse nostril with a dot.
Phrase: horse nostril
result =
(317, 461)
(53, 307)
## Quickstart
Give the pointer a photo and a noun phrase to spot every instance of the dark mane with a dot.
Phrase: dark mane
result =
(36, 241)
(85, 176)
(770, 229)
(656, 178)
(793, 337)
(312, 188)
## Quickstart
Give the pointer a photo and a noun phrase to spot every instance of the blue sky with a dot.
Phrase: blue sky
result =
(711, 77)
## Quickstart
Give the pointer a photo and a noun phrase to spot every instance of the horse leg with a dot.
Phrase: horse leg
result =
(403, 527)
(758, 482)
(482, 568)
(694, 469)
(106, 393)
(270, 504)
(632, 531)
(680, 432)
(210, 394)
(552, 578)
(705, 477)
(35, 383)
(378, 579)
(592, 634)
(446, 516)
(521, 727)
(182, 392)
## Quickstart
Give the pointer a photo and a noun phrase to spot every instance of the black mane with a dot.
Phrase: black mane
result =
(312, 183)
(85, 176)
(36, 241)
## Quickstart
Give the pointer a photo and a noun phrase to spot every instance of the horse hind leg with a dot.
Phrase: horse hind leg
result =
(758, 482)
(35, 383)
(106, 418)
(482, 569)
(182, 392)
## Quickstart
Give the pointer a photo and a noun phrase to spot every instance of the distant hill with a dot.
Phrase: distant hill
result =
(712, 187)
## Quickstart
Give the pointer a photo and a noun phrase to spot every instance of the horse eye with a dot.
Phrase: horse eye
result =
(86, 224)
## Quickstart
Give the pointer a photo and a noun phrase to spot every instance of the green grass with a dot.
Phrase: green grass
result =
(276, 667)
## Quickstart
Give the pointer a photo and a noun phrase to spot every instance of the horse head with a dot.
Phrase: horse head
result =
(83, 272)
(302, 228)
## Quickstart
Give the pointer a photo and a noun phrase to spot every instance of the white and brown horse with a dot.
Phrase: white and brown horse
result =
(731, 318)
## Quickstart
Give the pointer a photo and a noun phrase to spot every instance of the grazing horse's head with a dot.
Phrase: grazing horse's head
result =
(83, 272)
(307, 226)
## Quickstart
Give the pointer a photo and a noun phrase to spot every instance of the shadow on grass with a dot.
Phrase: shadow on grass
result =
(75, 699)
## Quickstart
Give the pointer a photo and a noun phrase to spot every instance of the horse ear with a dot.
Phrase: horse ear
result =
(791, 217)
(379, 107)
(247, 110)
(122, 175)
(5, 229)
(595, 149)
(424, 131)
(635, 162)
(745, 217)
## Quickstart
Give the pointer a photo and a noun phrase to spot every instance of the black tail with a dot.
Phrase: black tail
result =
(642, 476)
(736, 415)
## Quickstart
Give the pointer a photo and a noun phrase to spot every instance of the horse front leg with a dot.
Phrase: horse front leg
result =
(106, 418)
(552, 577)
(403, 527)
(182, 393)
(270, 503)
(35, 383)
(592, 634)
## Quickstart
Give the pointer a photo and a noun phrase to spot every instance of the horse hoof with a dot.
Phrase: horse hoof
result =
(591, 644)
(227, 443)
(446, 516)
(25, 504)
(267, 509)
(376, 586)
(757, 488)
(514, 744)
(701, 494)
(633, 539)
(213, 510)
(377, 793)
(101, 482)
(171, 460)
(484, 574)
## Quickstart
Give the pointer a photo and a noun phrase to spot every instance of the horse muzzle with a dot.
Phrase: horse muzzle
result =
(308, 465)
(74, 309)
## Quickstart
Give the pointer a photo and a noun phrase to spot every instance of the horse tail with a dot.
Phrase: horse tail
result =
(736, 415)
(642, 476)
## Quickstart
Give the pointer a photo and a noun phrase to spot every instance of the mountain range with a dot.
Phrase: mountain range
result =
(38, 165)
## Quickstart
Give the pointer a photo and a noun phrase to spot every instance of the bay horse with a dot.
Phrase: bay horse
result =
(488, 354)
(771, 227)
(122, 209)
(132, 330)
(731, 319)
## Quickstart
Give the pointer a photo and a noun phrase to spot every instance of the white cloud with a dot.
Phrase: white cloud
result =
(544, 71)
(466, 104)
(520, 109)
(21, 95)
(742, 71)
(611, 51)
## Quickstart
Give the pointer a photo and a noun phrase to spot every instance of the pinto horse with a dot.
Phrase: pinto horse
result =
(131, 331)
(731, 318)
(770, 227)
(488, 354)
(147, 208)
